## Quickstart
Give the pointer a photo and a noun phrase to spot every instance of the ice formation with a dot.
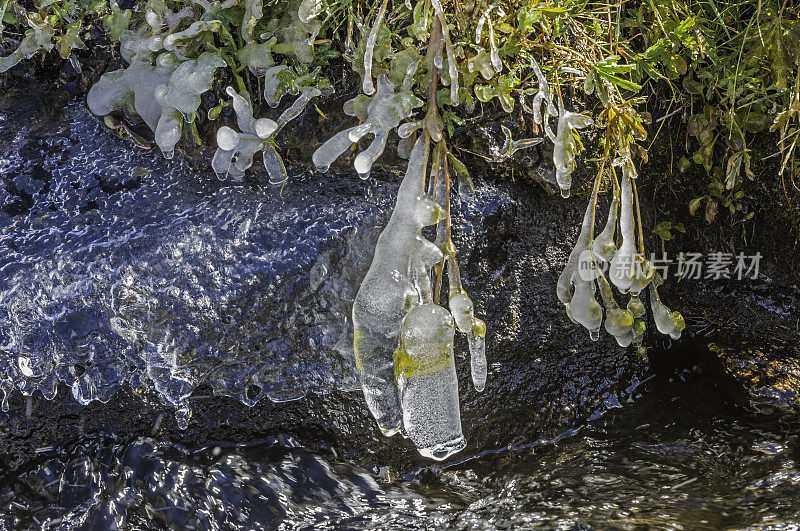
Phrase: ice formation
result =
(464, 316)
(180, 97)
(543, 106)
(619, 323)
(604, 246)
(297, 33)
(164, 94)
(426, 379)
(511, 146)
(132, 89)
(575, 287)
(38, 38)
(452, 66)
(369, 50)
(382, 113)
(566, 146)
(481, 63)
(387, 294)
(667, 322)
(629, 270)
(235, 150)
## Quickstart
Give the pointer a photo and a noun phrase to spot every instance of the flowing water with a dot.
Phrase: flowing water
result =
(684, 454)
(122, 270)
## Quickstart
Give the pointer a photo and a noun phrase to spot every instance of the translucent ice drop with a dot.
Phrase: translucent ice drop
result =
(426, 378)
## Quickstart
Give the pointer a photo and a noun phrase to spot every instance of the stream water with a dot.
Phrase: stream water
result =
(121, 270)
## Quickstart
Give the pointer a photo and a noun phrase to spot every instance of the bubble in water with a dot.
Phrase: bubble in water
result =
(182, 416)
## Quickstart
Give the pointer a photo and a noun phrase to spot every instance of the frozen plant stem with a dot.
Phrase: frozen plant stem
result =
(367, 86)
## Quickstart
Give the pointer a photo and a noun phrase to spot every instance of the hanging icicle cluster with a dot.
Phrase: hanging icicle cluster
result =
(403, 337)
(627, 268)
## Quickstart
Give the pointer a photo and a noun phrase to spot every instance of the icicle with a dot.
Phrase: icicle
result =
(451, 57)
(324, 156)
(622, 264)
(463, 313)
(308, 10)
(386, 294)
(369, 50)
(619, 323)
(306, 95)
(667, 322)
(584, 307)
(630, 271)
(476, 340)
(493, 53)
(604, 246)
(563, 289)
(564, 148)
(543, 98)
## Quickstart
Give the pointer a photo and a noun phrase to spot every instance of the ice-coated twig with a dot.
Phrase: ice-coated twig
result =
(564, 284)
(583, 307)
(667, 322)
(630, 271)
(622, 268)
(493, 53)
(604, 246)
(384, 112)
(565, 147)
(544, 99)
(451, 57)
(369, 50)
(482, 22)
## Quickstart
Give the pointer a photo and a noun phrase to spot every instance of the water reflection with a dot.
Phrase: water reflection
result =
(687, 454)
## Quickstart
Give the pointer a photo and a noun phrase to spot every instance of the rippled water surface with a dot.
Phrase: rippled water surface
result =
(121, 270)
(683, 455)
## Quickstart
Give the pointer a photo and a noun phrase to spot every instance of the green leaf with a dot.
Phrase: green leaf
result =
(618, 81)
(214, 112)
(663, 230)
(694, 204)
